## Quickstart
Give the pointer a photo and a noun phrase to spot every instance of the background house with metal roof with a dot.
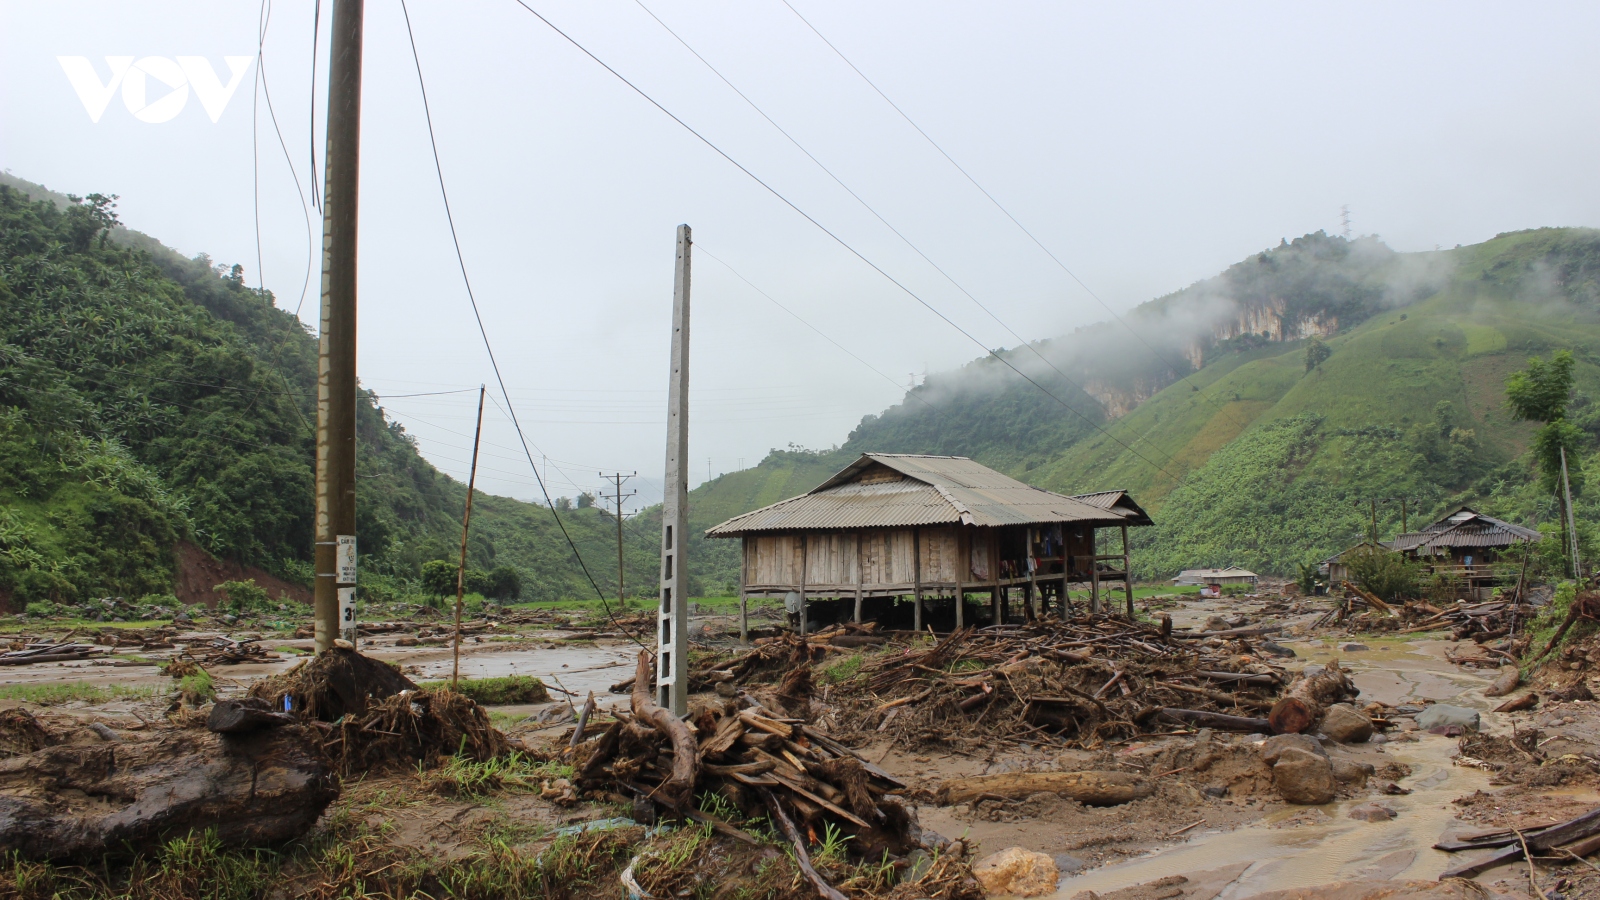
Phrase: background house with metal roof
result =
(931, 528)
(1465, 546)
(1215, 577)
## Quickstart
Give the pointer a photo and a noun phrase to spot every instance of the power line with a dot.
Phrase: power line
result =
(840, 241)
(997, 204)
(871, 209)
(461, 261)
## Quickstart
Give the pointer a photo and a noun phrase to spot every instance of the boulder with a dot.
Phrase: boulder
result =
(1346, 724)
(1444, 715)
(1352, 773)
(1017, 872)
(1372, 812)
(1303, 777)
(1353, 647)
(1272, 746)
(82, 802)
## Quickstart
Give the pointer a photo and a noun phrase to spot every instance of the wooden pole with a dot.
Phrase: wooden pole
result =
(1127, 571)
(1094, 571)
(858, 578)
(335, 524)
(916, 571)
(804, 549)
(466, 521)
(994, 572)
(963, 565)
(672, 618)
(744, 597)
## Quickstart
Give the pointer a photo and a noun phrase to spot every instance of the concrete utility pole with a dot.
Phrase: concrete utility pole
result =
(617, 498)
(672, 625)
(335, 556)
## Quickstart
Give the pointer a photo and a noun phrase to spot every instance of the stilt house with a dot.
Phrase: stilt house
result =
(933, 529)
(1467, 547)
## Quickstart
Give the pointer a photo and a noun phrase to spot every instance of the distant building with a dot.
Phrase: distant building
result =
(1465, 547)
(931, 528)
(1215, 577)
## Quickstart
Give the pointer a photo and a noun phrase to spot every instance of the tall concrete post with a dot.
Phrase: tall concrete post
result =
(335, 553)
(672, 627)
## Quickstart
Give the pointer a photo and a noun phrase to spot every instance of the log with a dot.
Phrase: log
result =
(85, 802)
(1308, 697)
(801, 857)
(244, 716)
(1516, 704)
(678, 790)
(1218, 721)
(1240, 677)
(1584, 826)
(1088, 788)
(1510, 677)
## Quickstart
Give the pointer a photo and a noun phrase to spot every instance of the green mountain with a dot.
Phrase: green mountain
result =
(1204, 406)
(149, 402)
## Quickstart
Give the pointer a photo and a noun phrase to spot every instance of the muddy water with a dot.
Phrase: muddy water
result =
(1294, 847)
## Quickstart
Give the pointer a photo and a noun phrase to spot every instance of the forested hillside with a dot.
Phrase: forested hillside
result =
(147, 400)
(1247, 452)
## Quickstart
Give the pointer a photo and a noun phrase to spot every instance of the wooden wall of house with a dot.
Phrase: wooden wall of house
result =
(887, 556)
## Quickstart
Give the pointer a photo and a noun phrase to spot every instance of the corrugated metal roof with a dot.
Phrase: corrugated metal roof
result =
(1466, 528)
(933, 490)
(1119, 501)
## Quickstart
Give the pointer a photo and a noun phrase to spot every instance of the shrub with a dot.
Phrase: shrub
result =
(243, 595)
(1383, 573)
(40, 608)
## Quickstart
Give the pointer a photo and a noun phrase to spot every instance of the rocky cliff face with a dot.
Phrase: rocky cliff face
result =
(1269, 320)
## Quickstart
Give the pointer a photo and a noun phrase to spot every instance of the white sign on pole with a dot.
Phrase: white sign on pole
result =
(347, 613)
(345, 561)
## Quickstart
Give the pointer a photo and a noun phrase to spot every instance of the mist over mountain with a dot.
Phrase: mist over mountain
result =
(1202, 403)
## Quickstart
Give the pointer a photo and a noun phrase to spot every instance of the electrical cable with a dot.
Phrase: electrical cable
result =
(1054, 258)
(482, 330)
(311, 136)
(841, 241)
(877, 215)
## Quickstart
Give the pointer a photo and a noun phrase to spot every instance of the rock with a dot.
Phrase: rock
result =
(407, 642)
(957, 849)
(1303, 777)
(1274, 649)
(1372, 812)
(1016, 872)
(1346, 724)
(1510, 677)
(1353, 647)
(1216, 623)
(1272, 746)
(1216, 791)
(230, 618)
(82, 802)
(1350, 772)
(1444, 715)
(1067, 864)
(918, 864)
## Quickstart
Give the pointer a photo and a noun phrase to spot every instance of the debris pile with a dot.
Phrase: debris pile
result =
(1089, 680)
(755, 760)
(225, 651)
(372, 717)
(48, 651)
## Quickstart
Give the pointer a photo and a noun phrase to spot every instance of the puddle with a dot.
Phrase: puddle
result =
(578, 669)
(1277, 853)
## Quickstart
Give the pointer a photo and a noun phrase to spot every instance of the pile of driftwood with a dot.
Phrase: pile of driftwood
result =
(1087, 680)
(49, 651)
(761, 761)
(225, 651)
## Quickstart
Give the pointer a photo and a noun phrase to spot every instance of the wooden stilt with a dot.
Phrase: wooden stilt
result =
(1127, 572)
(803, 549)
(916, 571)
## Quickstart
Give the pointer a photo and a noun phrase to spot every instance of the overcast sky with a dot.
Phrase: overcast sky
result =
(1147, 145)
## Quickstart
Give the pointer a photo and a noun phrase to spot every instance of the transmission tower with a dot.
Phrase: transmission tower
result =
(1344, 218)
(617, 499)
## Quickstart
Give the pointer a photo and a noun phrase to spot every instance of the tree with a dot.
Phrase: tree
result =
(504, 583)
(1316, 353)
(1541, 393)
(439, 577)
